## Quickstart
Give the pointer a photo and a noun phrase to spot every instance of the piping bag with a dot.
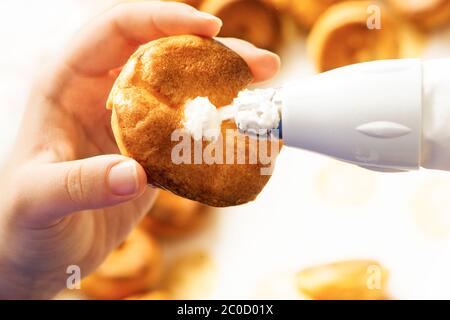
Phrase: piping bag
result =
(388, 115)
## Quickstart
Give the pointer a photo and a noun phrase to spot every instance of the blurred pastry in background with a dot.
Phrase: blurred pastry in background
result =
(280, 285)
(175, 82)
(190, 276)
(345, 280)
(428, 14)
(431, 207)
(306, 12)
(131, 268)
(151, 295)
(172, 215)
(341, 36)
(344, 184)
(256, 21)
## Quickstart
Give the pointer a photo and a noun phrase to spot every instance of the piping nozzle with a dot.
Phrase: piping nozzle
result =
(369, 114)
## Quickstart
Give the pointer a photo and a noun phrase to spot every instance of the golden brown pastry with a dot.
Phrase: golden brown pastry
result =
(346, 280)
(306, 12)
(341, 36)
(151, 295)
(191, 276)
(172, 215)
(428, 14)
(148, 101)
(131, 268)
(256, 21)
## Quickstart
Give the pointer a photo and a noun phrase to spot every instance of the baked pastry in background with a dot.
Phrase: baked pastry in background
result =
(428, 14)
(173, 216)
(344, 184)
(256, 21)
(148, 103)
(430, 206)
(306, 12)
(341, 36)
(131, 268)
(191, 276)
(151, 295)
(345, 280)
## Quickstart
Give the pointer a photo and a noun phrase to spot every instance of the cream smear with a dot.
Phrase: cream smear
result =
(253, 111)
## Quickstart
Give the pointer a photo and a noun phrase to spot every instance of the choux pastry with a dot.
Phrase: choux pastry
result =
(345, 280)
(131, 268)
(148, 106)
(256, 21)
(172, 215)
(427, 14)
(151, 295)
(350, 32)
(306, 12)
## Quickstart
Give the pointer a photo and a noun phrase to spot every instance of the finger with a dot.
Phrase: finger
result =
(108, 42)
(52, 191)
(263, 64)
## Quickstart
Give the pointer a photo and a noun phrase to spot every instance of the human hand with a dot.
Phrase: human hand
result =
(67, 197)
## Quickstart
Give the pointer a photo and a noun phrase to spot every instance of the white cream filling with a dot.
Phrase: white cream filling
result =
(254, 111)
(201, 119)
(257, 111)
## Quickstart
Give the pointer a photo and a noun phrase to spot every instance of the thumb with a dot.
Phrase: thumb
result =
(51, 191)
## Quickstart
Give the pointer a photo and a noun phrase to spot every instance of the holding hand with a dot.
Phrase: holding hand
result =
(67, 197)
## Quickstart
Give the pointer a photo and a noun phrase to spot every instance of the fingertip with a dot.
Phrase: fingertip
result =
(209, 17)
(186, 19)
(212, 23)
(265, 65)
(126, 179)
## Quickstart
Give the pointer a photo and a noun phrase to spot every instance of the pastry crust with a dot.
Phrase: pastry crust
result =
(428, 14)
(341, 36)
(344, 280)
(256, 21)
(152, 295)
(131, 268)
(173, 216)
(306, 12)
(148, 101)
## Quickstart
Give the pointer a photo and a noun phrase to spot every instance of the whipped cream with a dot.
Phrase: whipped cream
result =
(254, 111)
(202, 119)
(257, 111)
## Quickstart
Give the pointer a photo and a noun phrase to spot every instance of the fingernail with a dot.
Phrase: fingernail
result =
(122, 178)
(205, 15)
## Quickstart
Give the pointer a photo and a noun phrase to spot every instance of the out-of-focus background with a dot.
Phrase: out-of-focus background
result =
(314, 210)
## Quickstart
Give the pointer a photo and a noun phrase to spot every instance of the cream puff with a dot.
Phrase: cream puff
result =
(256, 21)
(173, 216)
(428, 14)
(151, 295)
(352, 32)
(164, 115)
(131, 268)
(344, 280)
(306, 12)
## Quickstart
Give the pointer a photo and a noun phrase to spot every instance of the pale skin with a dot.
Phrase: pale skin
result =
(67, 196)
